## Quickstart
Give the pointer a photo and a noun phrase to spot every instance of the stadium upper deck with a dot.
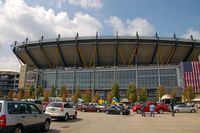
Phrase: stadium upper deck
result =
(106, 51)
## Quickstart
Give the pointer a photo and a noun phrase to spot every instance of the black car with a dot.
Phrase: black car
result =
(117, 110)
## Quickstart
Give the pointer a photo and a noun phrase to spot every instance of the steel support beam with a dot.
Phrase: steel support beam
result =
(79, 55)
(97, 48)
(155, 49)
(190, 51)
(173, 50)
(31, 57)
(44, 53)
(116, 50)
(60, 52)
(137, 45)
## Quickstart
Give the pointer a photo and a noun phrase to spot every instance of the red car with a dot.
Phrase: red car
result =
(160, 108)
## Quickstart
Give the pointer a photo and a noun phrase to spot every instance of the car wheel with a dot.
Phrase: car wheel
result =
(66, 117)
(121, 113)
(75, 115)
(83, 110)
(18, 129)
(98, 111)
(192, 111)
(160, 111)
(46, 126)
(138, 111)
(176, 110)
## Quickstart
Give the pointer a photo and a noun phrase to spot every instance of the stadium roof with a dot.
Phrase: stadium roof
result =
(106, 51)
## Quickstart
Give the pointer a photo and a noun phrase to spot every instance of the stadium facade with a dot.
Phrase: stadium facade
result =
(96, 62)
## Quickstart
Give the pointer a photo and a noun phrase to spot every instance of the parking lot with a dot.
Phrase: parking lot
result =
(88, 122)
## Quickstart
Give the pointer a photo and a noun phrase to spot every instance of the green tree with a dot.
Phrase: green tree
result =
(31, 91)
(1, 94)
(96, 97)
(142, 94)
(75, 98)
(87, 96)
(160, 92)
(131, 93)
(10, 94)
(63, 90)
(40, 91)
(173, 93)
(115, 91)
(53, 91)
(188, 95)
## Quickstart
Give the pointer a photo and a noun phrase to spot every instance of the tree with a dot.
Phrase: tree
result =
(63, 90)
(87, 96)
(21, 93)
(77, 95)
(131, 93)
(46, 95)
(31, 91)
(27, 94)
(10, 94)
(53, 91)
(109, 96)
(96, 97)
(160, 92)
(40, 91)
(64, 96)
(115, 91)
(173, 93)
(142, 94)
(188, 95)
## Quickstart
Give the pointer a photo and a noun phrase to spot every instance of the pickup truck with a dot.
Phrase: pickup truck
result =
(160, 108)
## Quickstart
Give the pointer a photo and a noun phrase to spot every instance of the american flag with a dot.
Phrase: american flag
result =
(192, 75)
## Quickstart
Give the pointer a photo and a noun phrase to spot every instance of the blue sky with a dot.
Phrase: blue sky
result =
(35, 18)
(167, 16)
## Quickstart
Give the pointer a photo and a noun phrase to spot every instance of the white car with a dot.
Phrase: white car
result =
(61, 110)
(19, 116)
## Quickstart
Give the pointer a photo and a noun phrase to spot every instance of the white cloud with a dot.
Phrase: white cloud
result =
(18, 21)
(194, 33)
(92, 4)
(130, 27)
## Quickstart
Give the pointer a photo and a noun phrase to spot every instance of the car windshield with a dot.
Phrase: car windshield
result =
(0, 107)
(55, 105)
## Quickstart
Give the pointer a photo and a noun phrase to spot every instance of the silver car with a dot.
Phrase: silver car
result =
(19, 116)
(184, 108)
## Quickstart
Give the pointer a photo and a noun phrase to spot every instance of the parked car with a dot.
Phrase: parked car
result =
(44, 105)
(91, 108)
(160, 108)
(19, 116)
(184, 108)
(61, 110)
(117, 110)
(37, 102)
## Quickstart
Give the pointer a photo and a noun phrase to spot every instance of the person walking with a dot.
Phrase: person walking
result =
(172, 108)
(152, 109)
(142, 109)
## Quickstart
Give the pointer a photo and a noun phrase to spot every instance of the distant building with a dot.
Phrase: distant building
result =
(8, 81)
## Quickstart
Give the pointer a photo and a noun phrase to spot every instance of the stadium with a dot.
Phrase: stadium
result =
(96, 62)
